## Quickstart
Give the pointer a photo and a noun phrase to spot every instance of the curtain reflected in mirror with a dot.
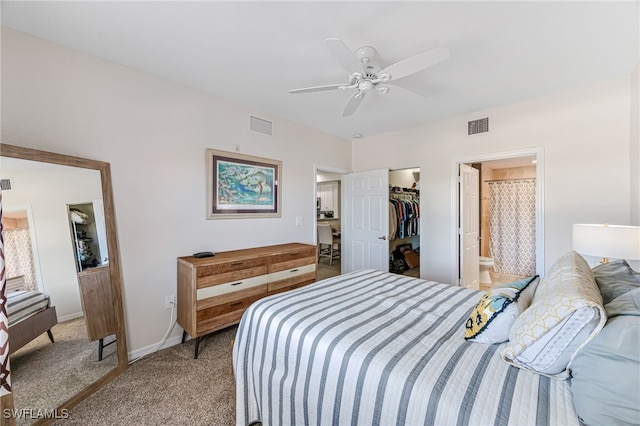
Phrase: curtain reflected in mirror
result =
(62, 316)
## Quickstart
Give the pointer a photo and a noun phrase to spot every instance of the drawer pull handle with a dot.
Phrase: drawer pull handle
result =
(236, 264)
(238, 283)
(235, 304)
(294, 270)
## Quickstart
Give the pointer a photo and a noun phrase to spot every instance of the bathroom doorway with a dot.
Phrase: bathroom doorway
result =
(20, 247)
(509, 218)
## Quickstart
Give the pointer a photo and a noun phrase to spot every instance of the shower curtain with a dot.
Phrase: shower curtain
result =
(512, 226)
(19, 256)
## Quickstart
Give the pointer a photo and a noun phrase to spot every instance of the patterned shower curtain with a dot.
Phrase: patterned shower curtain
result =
(512, 226)
(18, 256)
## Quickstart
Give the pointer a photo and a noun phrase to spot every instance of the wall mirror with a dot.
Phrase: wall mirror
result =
(60, 240)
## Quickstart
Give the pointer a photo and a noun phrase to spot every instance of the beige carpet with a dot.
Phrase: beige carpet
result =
(45, 374)
(326, 271)
(168, 388)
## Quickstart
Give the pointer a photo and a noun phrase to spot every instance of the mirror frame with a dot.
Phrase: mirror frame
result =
(13, 151)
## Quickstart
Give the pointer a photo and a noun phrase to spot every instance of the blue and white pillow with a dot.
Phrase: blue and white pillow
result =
(491, 319)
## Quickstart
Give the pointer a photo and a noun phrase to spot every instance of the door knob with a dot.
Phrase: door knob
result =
(384, 237)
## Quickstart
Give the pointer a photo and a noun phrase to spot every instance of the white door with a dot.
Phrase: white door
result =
(365, 221)
(469, 227)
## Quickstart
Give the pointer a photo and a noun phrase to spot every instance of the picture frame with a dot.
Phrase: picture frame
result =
(242, 186)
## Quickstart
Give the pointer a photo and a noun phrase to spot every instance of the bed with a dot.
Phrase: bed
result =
(30, 315)
(371, 347)
(375, 348)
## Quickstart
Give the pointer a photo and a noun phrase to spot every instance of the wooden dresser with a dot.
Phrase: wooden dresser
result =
(213, 292)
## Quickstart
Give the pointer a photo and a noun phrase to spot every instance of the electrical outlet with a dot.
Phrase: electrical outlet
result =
(169, 301)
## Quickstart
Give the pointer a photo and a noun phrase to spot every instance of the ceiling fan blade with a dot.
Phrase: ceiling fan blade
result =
(416, 63)
(414, 91)
(353, 104)
(317, 88)
(345, 57)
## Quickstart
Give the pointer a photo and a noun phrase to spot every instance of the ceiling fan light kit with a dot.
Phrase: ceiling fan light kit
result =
(373, 75)
(365, 54)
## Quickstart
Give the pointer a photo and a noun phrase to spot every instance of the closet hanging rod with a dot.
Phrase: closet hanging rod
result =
(508, 180)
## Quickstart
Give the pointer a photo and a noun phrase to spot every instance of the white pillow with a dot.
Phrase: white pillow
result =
(566, 312)
(493, 316)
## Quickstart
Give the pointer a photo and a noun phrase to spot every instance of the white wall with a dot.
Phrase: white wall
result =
(327, 176)
(155, 133)
(585, 136)
(48, 192)
(634, 151)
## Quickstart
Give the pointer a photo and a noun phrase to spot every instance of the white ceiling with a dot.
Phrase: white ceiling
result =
(254, 52)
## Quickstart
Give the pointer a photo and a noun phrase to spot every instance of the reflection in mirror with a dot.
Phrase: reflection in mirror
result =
(59, 252)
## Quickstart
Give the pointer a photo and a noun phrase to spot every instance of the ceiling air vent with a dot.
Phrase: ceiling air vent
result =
(5, 184)
(479, 126)
(261, 126)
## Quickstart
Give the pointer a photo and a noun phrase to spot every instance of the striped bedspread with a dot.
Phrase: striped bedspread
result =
(22, 304)
(373, 348)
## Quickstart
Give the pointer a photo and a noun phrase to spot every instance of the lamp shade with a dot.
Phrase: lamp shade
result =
(608, 241)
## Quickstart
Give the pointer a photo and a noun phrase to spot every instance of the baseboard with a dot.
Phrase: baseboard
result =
(172, 341)
(70, 317)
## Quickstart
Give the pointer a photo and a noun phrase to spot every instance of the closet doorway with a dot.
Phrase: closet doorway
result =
(508, 219)
(380, 221)
(404, 222)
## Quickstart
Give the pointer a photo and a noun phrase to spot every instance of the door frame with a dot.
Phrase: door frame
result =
(538, 152)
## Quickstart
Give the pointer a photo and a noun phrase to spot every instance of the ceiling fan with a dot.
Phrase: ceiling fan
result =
(365, 76)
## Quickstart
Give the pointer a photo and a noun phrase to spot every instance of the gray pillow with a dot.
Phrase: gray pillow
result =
(605, 373)
(615, 278)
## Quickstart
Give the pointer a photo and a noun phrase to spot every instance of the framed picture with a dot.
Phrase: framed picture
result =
(242, 186)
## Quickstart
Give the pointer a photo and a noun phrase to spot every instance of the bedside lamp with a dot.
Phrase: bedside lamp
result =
(607, 241)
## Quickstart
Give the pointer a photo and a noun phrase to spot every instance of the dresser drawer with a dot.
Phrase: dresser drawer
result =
(216, 312)
(235, 305)
(230, 287)
(303, 274)
(216, 323)
(230, 271)
(284, 261)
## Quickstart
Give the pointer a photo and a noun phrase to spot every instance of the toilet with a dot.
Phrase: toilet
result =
(485, 264)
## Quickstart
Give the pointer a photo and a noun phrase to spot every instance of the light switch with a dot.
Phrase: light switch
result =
(299, 221)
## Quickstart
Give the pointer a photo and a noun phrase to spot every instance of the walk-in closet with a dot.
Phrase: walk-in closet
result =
(404, 221)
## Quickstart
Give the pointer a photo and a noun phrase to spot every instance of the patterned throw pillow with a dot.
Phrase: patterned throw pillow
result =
(565, 314)
(491, 319)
